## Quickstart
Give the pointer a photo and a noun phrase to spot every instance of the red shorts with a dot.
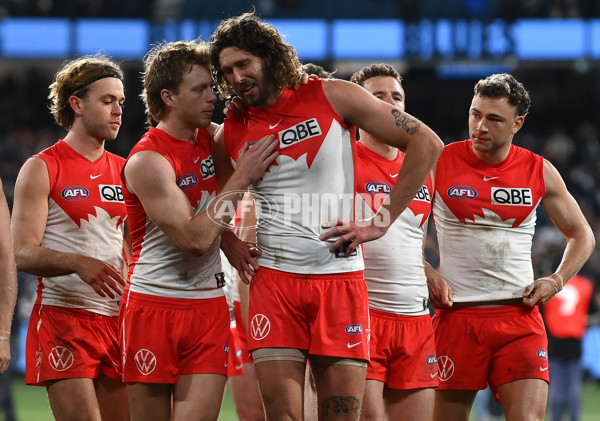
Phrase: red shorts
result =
(235, 353)
(241, 332)
(323, 314)
(162, 338)
(65, 343)
(477, 346)
(402, 351)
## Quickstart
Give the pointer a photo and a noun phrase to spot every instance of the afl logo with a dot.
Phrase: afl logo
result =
(75, 193)
(145, 361)
(431, 359)
(378, 187)
(445, 367)
(462, 192)
(61, 358)
(187, 181)
(260, 327)
(543, 354)
(354, 329)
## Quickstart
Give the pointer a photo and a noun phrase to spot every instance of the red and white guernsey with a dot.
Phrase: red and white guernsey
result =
(159, 267)
(311, 182)
(485, 220)
(86, 214)
(393, 263)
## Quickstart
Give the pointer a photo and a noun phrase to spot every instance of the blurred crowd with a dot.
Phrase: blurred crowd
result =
(159, 10)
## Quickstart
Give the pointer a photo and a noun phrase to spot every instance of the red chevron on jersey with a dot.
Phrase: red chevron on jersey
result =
(311, 183)
(472, 189)
(376, 177)
(158, 266)
(488, 213)
(82, 188)
(396, 285)
(86, 212)
(287, 120)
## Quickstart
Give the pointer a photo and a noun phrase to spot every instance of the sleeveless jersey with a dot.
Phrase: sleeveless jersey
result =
(485, 220)
(311, 182)
(86, 213)
(159, 267)
(393, 263)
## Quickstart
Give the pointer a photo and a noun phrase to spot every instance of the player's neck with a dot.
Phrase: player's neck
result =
(494, 156)
(85, 145)
(380, 148)
(270, 100)
(178, 130)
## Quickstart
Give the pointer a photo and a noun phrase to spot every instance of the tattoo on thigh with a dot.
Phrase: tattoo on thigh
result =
(402, 120)
(341, 404)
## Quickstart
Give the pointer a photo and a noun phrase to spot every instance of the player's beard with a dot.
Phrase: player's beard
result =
(264, 88)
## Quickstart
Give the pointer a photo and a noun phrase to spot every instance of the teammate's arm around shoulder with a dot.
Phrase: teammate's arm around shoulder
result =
(167, 205)
(393, 126)
(30, 215)
(566, 214)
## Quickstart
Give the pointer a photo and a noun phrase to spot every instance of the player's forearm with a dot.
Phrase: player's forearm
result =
(207, 226)
(578, 250)
(42, 261)
(8, 296)
(417, 165)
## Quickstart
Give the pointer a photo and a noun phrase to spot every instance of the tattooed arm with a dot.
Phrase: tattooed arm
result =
(397, 128)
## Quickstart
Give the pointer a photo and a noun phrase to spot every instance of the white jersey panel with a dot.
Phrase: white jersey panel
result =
(304, 198)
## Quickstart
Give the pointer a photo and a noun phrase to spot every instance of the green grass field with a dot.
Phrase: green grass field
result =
(32, 403)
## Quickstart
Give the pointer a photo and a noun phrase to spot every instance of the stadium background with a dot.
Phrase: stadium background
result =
(441, 47)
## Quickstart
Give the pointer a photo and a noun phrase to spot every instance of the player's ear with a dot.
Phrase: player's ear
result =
(166, 96)
(76, 104)
(518, 124)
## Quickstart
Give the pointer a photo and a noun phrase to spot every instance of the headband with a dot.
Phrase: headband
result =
(95, 80)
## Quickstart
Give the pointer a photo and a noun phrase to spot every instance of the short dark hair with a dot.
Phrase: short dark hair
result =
(315, 69)
(504, 85)
(374, 70)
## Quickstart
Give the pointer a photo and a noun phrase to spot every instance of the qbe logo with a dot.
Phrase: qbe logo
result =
(207, 167)
(61, 358)
(462, 192)
(511, 196)
(445, 367)
(187, 181)
(75, 193)
(423, 195)
(299, 132)
(111, 193)
(145, 361)
(260, 326)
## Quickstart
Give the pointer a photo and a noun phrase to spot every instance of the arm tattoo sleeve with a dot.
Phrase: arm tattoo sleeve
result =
(339, 404)
(402, 120)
